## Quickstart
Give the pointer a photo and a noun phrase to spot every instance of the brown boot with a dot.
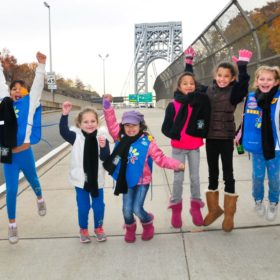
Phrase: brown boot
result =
(214, 210)
(230, 209)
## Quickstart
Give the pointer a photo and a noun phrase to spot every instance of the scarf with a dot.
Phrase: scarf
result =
(120, 153)
(182, 115)
(90, 163)
(8, 130)
(264, 102)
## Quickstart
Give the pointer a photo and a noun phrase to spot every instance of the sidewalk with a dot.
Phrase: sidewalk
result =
(49, 246)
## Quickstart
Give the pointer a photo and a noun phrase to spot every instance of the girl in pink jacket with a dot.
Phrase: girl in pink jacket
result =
(130, 165)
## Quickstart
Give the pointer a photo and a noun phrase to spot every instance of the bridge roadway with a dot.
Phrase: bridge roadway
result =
(49, 247)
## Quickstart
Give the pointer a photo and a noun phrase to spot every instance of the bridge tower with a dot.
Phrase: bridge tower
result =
(153, 41)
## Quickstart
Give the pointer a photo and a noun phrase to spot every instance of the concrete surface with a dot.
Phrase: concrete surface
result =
(49, 246)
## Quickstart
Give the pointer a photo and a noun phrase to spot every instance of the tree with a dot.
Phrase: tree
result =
(79, 84)
(9, 63)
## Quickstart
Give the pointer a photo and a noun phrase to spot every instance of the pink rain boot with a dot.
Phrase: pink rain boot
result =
(197, 218)
(176, 219)
(130, 235)
(148, 229)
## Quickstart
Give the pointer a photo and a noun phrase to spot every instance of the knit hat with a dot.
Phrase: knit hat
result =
(132, 117)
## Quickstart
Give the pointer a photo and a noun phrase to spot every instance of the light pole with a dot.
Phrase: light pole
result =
(103, 60)
(50, 43)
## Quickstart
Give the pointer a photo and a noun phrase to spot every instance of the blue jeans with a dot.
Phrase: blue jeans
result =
(83, 203)
(260, 164)
(133, 202)
(23, 161)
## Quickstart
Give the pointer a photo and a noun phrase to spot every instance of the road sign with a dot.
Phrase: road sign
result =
(141, 97)
(52, 86)
(51, 81)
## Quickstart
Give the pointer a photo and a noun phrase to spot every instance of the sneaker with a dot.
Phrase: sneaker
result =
(100, 234)
(13, 235)
(42, 209)
(84, 236)
(272, 210)
(260, 208)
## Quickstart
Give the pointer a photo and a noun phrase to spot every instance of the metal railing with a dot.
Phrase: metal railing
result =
(242, 24)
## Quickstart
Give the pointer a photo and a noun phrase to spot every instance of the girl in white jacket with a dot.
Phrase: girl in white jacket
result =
(87, 175)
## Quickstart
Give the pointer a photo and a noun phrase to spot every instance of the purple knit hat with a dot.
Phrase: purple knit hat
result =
(132, 117)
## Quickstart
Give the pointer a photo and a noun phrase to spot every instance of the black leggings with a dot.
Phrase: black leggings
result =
(214, 148)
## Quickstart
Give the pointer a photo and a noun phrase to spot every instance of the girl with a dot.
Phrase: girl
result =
(224, 93)
(261, 137)
(131, 166)
(90, 148)
(186, 122)
(23, 126)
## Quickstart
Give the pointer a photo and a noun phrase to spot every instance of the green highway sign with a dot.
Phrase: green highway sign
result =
(141, 97)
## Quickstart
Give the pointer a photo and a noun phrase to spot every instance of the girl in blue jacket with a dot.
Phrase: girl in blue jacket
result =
(261, 137)
(23, 126)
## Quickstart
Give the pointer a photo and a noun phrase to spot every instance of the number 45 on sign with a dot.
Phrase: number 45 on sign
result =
(51, 81)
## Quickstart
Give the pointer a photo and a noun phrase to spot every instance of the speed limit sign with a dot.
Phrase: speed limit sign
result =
(51, 81)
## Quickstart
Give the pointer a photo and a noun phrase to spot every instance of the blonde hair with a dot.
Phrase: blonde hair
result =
(79, 117)
(265, 68)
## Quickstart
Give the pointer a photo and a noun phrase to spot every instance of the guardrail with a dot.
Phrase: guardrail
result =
(242, 24)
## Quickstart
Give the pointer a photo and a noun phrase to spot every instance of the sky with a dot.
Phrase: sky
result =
(83, 29)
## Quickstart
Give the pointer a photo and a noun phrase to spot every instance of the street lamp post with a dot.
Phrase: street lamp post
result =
(50, 43)
(103, 60)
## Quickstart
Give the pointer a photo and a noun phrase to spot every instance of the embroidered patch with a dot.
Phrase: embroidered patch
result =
(4, 151)
(116, 160)
(252, 104)
(16, 111)
(200, 124)
(258, 123)
(133, 155)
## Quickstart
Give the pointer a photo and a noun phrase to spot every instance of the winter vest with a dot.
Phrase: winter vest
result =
(186, 142)
(252, 122)
(135, 162)
(21, 107)
(222, 124)
(77, 174)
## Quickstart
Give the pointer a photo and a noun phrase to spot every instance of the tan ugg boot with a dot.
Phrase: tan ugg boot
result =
(214, 210)
(230, 209)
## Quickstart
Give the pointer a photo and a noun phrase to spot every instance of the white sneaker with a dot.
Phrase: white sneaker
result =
(272, 210)
(42, 208)
(260, 208)
(13, 235)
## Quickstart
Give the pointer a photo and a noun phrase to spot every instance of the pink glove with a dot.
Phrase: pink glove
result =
(189, 55)
(244, 55)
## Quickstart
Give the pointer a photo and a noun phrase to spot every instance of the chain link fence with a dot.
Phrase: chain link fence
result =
(243, 24)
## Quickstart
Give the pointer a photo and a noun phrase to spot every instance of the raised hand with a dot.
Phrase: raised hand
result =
(243, 55)
(107, 99)
(189, 55)
(66, 107)
(41, 58)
